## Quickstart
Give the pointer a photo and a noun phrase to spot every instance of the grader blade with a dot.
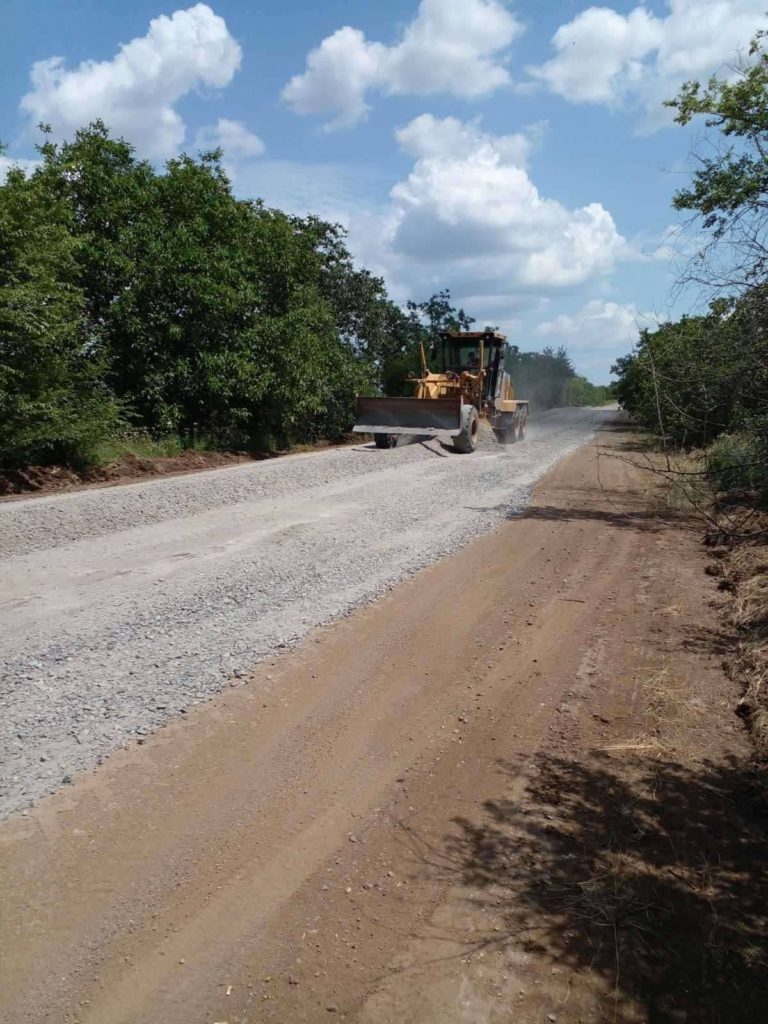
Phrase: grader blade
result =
(424, 416)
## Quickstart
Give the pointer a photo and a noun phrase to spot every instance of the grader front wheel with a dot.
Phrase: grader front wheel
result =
(466, 441)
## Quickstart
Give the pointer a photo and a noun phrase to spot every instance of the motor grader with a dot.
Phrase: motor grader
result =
(472, 386)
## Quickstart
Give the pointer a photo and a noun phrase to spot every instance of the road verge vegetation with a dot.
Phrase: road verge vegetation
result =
(699, 385)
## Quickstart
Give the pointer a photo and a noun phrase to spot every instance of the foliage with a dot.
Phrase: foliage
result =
(540, 376)
(209, 311)
(739, 462)
(579, 391)
(702, 376)
(438, 315)
(193, 311)
(53, 405)
(138, 444)
(703, 381)
(729, 189)
(154, 304)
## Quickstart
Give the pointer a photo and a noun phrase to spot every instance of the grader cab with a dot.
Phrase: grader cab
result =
(471, 386)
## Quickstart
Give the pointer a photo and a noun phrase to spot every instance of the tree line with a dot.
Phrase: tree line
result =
(137, 301)
(702, 381)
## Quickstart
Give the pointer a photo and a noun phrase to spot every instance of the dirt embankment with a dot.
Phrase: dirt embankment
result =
(740, 563)
(513, 789)
(130, 468)
(127, 469)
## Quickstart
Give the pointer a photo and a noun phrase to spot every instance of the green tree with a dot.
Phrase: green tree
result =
(105, 189)
(704, 379)
(213, 315)
(540, 377)
(438, 314)
(728, 193)
(701, 376)
(52, 403)
(580, 391)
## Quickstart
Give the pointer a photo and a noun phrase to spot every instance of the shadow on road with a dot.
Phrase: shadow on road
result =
(630, 518)
(652, 876)
(428, 445)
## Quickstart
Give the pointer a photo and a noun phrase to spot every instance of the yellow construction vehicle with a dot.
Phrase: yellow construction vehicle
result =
(449, 405)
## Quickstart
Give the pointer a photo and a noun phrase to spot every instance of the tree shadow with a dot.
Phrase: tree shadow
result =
(638, 518)
(708, 640)
(630, 444)
(619, 425)
(649, 874)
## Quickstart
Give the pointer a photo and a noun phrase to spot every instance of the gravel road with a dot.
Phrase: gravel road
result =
(122, 607)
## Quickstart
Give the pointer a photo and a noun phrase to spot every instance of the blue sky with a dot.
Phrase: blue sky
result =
(517, 153)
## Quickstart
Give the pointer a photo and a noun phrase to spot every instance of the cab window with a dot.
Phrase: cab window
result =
(464, 357)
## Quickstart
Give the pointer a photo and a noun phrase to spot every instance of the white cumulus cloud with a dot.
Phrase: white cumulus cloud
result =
(598, 326)
(136, 91)
(600, 53)
(237, 141)
(475, 207)
(431, 137)
(603, 56)
(449, 47)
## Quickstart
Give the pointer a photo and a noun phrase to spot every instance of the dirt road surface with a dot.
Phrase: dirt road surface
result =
(508, 790)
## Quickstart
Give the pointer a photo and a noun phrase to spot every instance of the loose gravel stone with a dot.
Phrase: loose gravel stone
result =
(122, 607)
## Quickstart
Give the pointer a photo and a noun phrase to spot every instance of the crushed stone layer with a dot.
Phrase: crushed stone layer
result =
(121, 608)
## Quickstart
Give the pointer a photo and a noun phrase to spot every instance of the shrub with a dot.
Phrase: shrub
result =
(739, 461)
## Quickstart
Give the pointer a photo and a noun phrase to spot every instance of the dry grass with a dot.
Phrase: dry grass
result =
(685, 489)
(751, 670)
(671, 705)
(608, 898)
(750, 607)
(740, 562)
(744, 573)
(679, 483)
